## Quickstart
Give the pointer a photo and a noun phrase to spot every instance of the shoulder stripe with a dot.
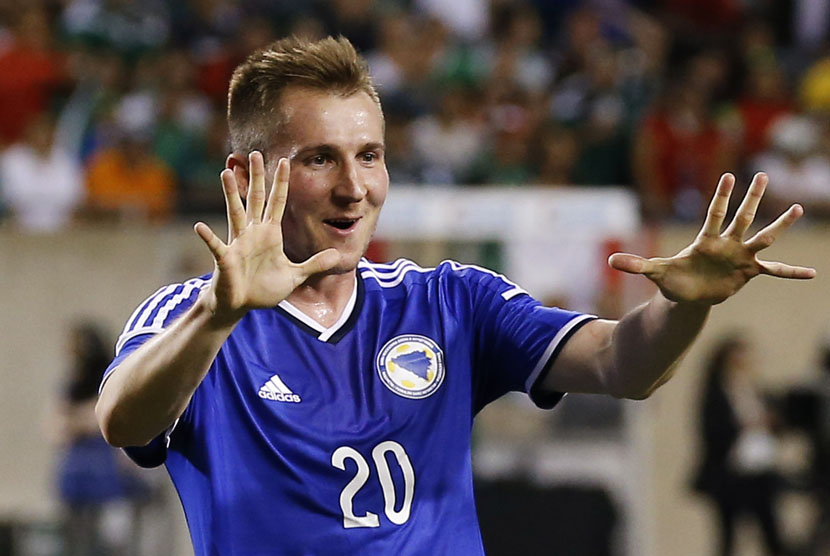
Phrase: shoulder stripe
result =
(387, 272)
(390, 274)
(392, 280)
(143, 310)
(153, 312)
(365, 263)
(506, 295)
(126, 337)
(187, 290)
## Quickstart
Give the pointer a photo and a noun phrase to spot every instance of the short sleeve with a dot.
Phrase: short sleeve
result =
(516, 337)
(155, 314)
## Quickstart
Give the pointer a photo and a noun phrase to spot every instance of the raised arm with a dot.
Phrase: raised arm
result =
(151, 388)
(632, 357)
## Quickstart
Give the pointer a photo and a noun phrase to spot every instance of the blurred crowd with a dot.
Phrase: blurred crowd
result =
(743, 429)
(114, 109)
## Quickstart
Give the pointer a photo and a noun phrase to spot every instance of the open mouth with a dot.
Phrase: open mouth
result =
(341, 223)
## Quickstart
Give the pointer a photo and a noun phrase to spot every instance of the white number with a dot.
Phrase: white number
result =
(379, 455)
(338, 459)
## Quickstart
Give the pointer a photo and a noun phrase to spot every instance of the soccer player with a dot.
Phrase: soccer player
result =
(308, 401)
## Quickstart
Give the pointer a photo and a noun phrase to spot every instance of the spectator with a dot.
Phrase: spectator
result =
(449, 139)
(677, 149)
(581, 34)
(764, 101)
(702, 21)
(131, 28)
(467, 19)
(815, 86)
(387, 60)
(31, 72)
(605, 153)
(797, 166)
(513, 119)
(40, 181)
(129, 181)
(516, 57)
(404, 165)
(594, 101)
(204, 26)
(101, 78)
(809, 410)
(200, 192)
(411, 53)
(90, 476)
(183, 116)
(595, 67)
(737, 470)
(354, 19)
(558, 154)
(216, 59)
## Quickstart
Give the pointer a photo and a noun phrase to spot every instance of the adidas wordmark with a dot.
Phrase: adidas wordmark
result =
(276, 390)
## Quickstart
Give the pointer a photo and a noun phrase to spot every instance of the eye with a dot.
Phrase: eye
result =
(318, 160)
(369, 157)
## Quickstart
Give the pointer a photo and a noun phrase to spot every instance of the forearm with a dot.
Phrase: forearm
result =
(648, 343)
(151, 388)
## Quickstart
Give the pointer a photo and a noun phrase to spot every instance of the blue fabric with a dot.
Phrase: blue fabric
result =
(88, 473)
(295, 429)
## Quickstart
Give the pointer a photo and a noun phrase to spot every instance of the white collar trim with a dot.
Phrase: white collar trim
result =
(324, 333)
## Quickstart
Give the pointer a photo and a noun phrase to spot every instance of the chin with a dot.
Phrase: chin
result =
(348, 263)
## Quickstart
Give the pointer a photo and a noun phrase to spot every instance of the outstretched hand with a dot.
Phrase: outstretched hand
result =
(252, 270)
(718, 264)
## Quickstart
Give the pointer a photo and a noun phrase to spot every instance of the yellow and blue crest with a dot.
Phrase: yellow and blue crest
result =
(411, 366)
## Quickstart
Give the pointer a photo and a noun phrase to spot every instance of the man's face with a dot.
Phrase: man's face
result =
(338, 177)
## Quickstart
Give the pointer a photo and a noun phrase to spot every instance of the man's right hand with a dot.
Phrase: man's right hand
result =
(252, 270)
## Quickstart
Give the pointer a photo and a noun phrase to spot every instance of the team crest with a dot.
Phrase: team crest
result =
(411, 366)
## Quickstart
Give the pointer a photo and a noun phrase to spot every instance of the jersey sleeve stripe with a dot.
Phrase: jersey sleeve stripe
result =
(152, 307)
(390, 273)
(187, 290)
(387, 275)
(507, 294)
(391, 283)
(147, 307)
(156, 310)
(124, 338)
(552, 349)
(105, 378)
(364, 264)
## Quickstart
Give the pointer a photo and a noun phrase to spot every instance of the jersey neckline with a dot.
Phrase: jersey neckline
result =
(336, 331)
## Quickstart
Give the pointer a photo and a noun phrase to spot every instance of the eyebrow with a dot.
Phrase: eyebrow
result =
(329, 148)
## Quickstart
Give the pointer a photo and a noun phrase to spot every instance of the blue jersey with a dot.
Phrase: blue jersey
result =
(352, 439)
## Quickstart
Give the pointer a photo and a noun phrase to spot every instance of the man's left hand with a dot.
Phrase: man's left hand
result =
(718, 264)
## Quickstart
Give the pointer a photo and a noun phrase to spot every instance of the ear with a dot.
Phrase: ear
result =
(239, 165)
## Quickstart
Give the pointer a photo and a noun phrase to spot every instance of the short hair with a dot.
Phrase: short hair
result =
(330, 65)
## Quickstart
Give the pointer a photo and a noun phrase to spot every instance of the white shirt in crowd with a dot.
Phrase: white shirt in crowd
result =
(41, 192)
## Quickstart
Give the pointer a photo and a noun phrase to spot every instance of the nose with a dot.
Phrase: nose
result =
(349, 186)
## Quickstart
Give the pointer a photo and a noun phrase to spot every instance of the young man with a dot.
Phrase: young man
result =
(306, 401)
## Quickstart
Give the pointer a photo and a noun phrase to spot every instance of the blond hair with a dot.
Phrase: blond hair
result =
(329, 65)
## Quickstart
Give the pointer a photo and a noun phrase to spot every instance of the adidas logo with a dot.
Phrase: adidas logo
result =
(276, 390)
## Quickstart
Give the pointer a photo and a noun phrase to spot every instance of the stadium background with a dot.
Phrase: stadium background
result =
(568, 105)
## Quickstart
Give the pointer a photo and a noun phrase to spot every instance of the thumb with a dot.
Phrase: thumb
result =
(321, 262)
(213, 243)
(626, 262)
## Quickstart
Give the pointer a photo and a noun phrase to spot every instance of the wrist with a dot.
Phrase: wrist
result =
(215, 318)
(692, 310)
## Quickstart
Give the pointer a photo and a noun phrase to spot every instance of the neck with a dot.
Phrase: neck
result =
(324, 298)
